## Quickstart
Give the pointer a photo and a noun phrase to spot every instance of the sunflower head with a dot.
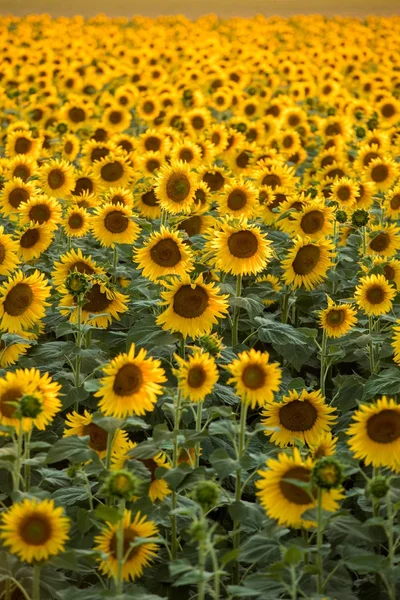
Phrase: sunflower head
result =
(122, 484)
(327, 473)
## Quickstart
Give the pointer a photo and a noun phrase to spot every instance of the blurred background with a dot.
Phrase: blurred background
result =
(196, 8)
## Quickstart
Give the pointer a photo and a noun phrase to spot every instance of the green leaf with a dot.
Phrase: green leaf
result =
(69, 496)
(75, 449)
(386, 382)
(107, 514)
(223, 464)
(362, 561)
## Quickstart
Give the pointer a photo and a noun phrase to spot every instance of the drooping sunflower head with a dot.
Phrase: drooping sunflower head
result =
(374, 295)
(175, 188)
(308, 262)
(197, 375)
(74, 260)
(303, 416)
(256, 379)
(35, 529)
(374, 434)
(337, 319)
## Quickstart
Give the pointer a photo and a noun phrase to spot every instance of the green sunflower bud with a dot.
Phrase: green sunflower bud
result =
(211, 344)
(360, 218)
(331, 112)
(62, 128)
(378, 487)
(206, 493)
(327, 473)
(198, 531)
(341, 216)
(122, 484)
(30, 406)
(77, 283)
(360, 132)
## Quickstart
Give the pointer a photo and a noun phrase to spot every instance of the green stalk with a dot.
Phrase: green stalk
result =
(214, 560)
(17, 462)
(78, 345)
(36, 582)
(238, 487)
(324, 369)
(293, 589)
(285, 307)
(8, 589)
(201, 586)
(27, 468)
(198, 429)
(115, 263)
(236, 313)
(110, 440)
(371, 346)
(320, 534)
(391, 588)
(175, 457)
(119, 584)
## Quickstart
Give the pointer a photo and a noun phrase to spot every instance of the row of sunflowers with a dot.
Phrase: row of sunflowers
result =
(199, 309)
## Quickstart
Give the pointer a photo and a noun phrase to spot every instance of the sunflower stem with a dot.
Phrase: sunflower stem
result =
(175, 457)
(236, 313)
(119, 584)
(17, 462)
(285, 307)
(36, 582)
(201, 586)
(238, 488)
(324, 369)
(27, 467)
(371, 346)
(110, 440)
(293, 588)
(198, 429)
(215, 564)
(78, 345)
(164, 219)
(8, 589)
(115, 263)
(320, 533)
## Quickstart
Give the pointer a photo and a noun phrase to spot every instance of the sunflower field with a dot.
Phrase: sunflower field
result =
(199, 308)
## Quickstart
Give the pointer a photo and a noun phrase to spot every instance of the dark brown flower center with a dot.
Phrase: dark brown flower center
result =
(68, 147)
(166, 253)
(77, 115)
(243, 159)
(112, 171)
(312, 221)
(29, 238)
(335, 317)
(237, 199)
(333, 129)
(196, 376)
(149, 198)
(99, 153)
(344, 193)
(10, 396)
(22, 172)
(18, 299)
(253, 377)
(83, 184)
(178, 187)
(75, 221)
(96, 301)
(243, 244)
(55, 179)
(298, 416)
(271, 180)
(81, 267)
(116, 222)
(40, 213)
(35, 529)
(115, 117)
(198, 122)
(215, 181)
(148, 107)
(369, 157)
(152, 143)
(190, 302)
(192, 226)
(293, 493)
(306, 259)
(22, 145)
(129, 538)
(375, 294)
(17, 196)
(379, 173)
(395, 202)
(384, 427)
(98, 437)
(2, 253)
(128, 380)
(380, 242)
(389, 272)
(186, 155)
(151, 465)
(200, 196)
(388, 110)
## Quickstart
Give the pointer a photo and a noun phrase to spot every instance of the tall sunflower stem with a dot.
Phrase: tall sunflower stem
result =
(36, 582)
(110, 441)
(78, 360)
(391, 588)
(323, 371)
(119, 584)
(293, 578)
(285, 307)
(201, 587)
(8, 589)
(115, 263)
(371, 346)
(320, 535)
(238, 487)
(27, 467)
(198, 429)
(17, 462)
(236, 313)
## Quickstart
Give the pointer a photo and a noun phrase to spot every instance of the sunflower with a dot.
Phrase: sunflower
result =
(14, 193)
(374, 295)
(202, 198)
(196, 224)
(119, 195)
(374, 434)
(272, 174)
(197, 375)
(35, 529)
(324, 445)
(23, 142)
(72, 261)
(148, 108)
(57, 178)
(315, 220)
(33, 240)
(164, 253)
(30, 385)
(70, 147)
(23, 301)
(82, 425)
(158, 488)
(337, 319)
(274, 283)
(76, 222)
(192, 307)
(389, 111)
(152, 141)
(382, 172)
(131, 385)
(285, 501)
(365, 155)
(307, 262)
(238, 198)
(218, 136)
(240, 249)
(113, 171)
(22, 166)
(137, 558)
(94, 151)
(76, 113)
(113, 224)
(148, 204)
(391, 203)
(41, 209)
(10, 353)
(254, 377)
(175, 187)
(302, 417)
(187, 152)
(390, 269)
(101, 304)
(345, 191)
(8, 253)
(87, 186)
(365, 196)
(384, 241)
(116, 119)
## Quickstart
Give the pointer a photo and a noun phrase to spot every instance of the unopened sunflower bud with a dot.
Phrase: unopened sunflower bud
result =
(30, 406)
(122, 484)
(331, 112)
(360, 132)
(211, 344)
(360, 218)
(327, 473)
(341, 216)
(198, 531)
(378, 487)
(206, 493)
(62, 128)
(77, 283)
